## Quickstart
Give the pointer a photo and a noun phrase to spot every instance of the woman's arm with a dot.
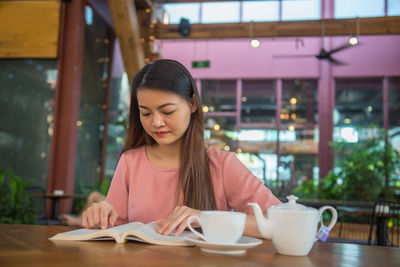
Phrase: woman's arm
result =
(251, 228)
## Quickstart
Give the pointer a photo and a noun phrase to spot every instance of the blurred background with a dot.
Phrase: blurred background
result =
(305, 92)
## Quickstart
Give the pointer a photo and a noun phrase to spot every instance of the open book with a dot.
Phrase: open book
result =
(136, 231)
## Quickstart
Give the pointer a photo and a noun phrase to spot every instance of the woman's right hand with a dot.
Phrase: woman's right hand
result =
(99, 215)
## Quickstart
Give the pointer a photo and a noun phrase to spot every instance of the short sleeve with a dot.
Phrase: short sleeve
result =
(242, 187)
(118, 193)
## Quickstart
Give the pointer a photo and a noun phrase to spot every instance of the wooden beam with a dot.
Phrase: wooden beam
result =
(127, 30)
(333, 27)
(29, 29)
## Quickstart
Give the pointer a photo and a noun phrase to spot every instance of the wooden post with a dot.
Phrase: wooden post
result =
(64, 141)
(127, 30)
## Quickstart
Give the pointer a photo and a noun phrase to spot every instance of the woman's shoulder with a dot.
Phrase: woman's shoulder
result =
(133, 153)
(216, 154)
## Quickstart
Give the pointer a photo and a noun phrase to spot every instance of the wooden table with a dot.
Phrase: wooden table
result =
(28, 245)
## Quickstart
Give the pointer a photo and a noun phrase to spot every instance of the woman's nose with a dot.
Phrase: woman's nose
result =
(157, 121)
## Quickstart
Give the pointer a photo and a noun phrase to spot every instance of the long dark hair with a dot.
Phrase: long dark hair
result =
(194, 172)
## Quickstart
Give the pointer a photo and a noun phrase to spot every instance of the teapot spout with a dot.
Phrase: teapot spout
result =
(265, 226)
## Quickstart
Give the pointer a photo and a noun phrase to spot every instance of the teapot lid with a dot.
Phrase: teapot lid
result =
(293, 206)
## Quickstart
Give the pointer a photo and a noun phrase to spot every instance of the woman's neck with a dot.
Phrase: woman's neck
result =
(164, 156)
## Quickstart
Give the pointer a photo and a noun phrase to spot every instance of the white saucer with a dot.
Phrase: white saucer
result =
(244, 243)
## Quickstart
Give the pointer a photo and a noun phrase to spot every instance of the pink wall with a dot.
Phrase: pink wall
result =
(235, 58)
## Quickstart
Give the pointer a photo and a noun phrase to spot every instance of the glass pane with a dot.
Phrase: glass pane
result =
(359, 8)
(258, 102)
(219, 95)
(301, 9)
(358, 114)
(358, 103)
(189, 11)
(257, 151)
(221, 132)
(393, 7)
(260, 11)
(93, 105)
(394, 112)
(27, 116)
(220, 12)
(117, 121)
(299, 136)
(262, 165)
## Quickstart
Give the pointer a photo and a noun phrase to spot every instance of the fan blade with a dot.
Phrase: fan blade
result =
(336, 62)
(340, 48)
(292, 56)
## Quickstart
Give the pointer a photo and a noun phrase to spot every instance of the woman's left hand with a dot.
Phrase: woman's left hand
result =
(176, 220)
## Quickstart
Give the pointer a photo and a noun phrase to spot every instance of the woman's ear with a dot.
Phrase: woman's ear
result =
(194, 104)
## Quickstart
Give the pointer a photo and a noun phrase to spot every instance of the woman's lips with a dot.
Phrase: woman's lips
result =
(161, 133)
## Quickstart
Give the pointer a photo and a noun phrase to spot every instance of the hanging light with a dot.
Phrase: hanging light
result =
(254, 41)
(354, 39)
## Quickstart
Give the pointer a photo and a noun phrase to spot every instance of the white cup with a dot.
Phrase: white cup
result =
(222, 227)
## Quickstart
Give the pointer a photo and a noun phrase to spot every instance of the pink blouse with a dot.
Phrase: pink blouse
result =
(142, 192)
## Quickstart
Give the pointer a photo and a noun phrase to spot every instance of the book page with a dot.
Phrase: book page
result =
(148, 233)
(95, 234)
(125, 227)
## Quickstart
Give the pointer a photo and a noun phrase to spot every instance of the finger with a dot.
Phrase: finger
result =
(85, 220)
(104, 212)
(160, 221)
(182, 226)
(113, 217)
(163, 223)
(176, 219)
(90, 217)
(96, 215)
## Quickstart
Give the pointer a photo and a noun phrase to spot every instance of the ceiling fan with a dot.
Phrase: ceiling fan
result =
(323, 53)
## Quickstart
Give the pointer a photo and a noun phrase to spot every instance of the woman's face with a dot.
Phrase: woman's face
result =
(164, 116)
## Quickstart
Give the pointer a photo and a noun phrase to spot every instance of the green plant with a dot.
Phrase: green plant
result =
(366, 170)
(16, 204)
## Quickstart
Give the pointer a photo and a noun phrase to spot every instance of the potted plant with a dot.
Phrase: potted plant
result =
(16, 204)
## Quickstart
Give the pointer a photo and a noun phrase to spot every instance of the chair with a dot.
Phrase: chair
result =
(354, 222)
(39, 203)
(385, 224)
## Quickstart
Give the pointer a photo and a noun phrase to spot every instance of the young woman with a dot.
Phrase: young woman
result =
(165, 172)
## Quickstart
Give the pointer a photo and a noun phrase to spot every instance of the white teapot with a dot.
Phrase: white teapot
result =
(292, 227)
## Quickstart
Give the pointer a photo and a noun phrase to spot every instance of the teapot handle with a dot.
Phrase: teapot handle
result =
(323, 231)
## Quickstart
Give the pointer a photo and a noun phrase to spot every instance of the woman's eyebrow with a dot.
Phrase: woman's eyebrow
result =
(162, 106)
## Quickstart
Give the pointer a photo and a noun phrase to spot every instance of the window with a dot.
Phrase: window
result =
(394, 112)
(358, 102)
(393, 8)
(301, 9)
(260, 11)
(359, 8)
(220, 132)
(27, 116)
(220, 12)
(358, 114)
(219, 95)
(91, 122)
(258, 102)
(299, 134)
(189, 11)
